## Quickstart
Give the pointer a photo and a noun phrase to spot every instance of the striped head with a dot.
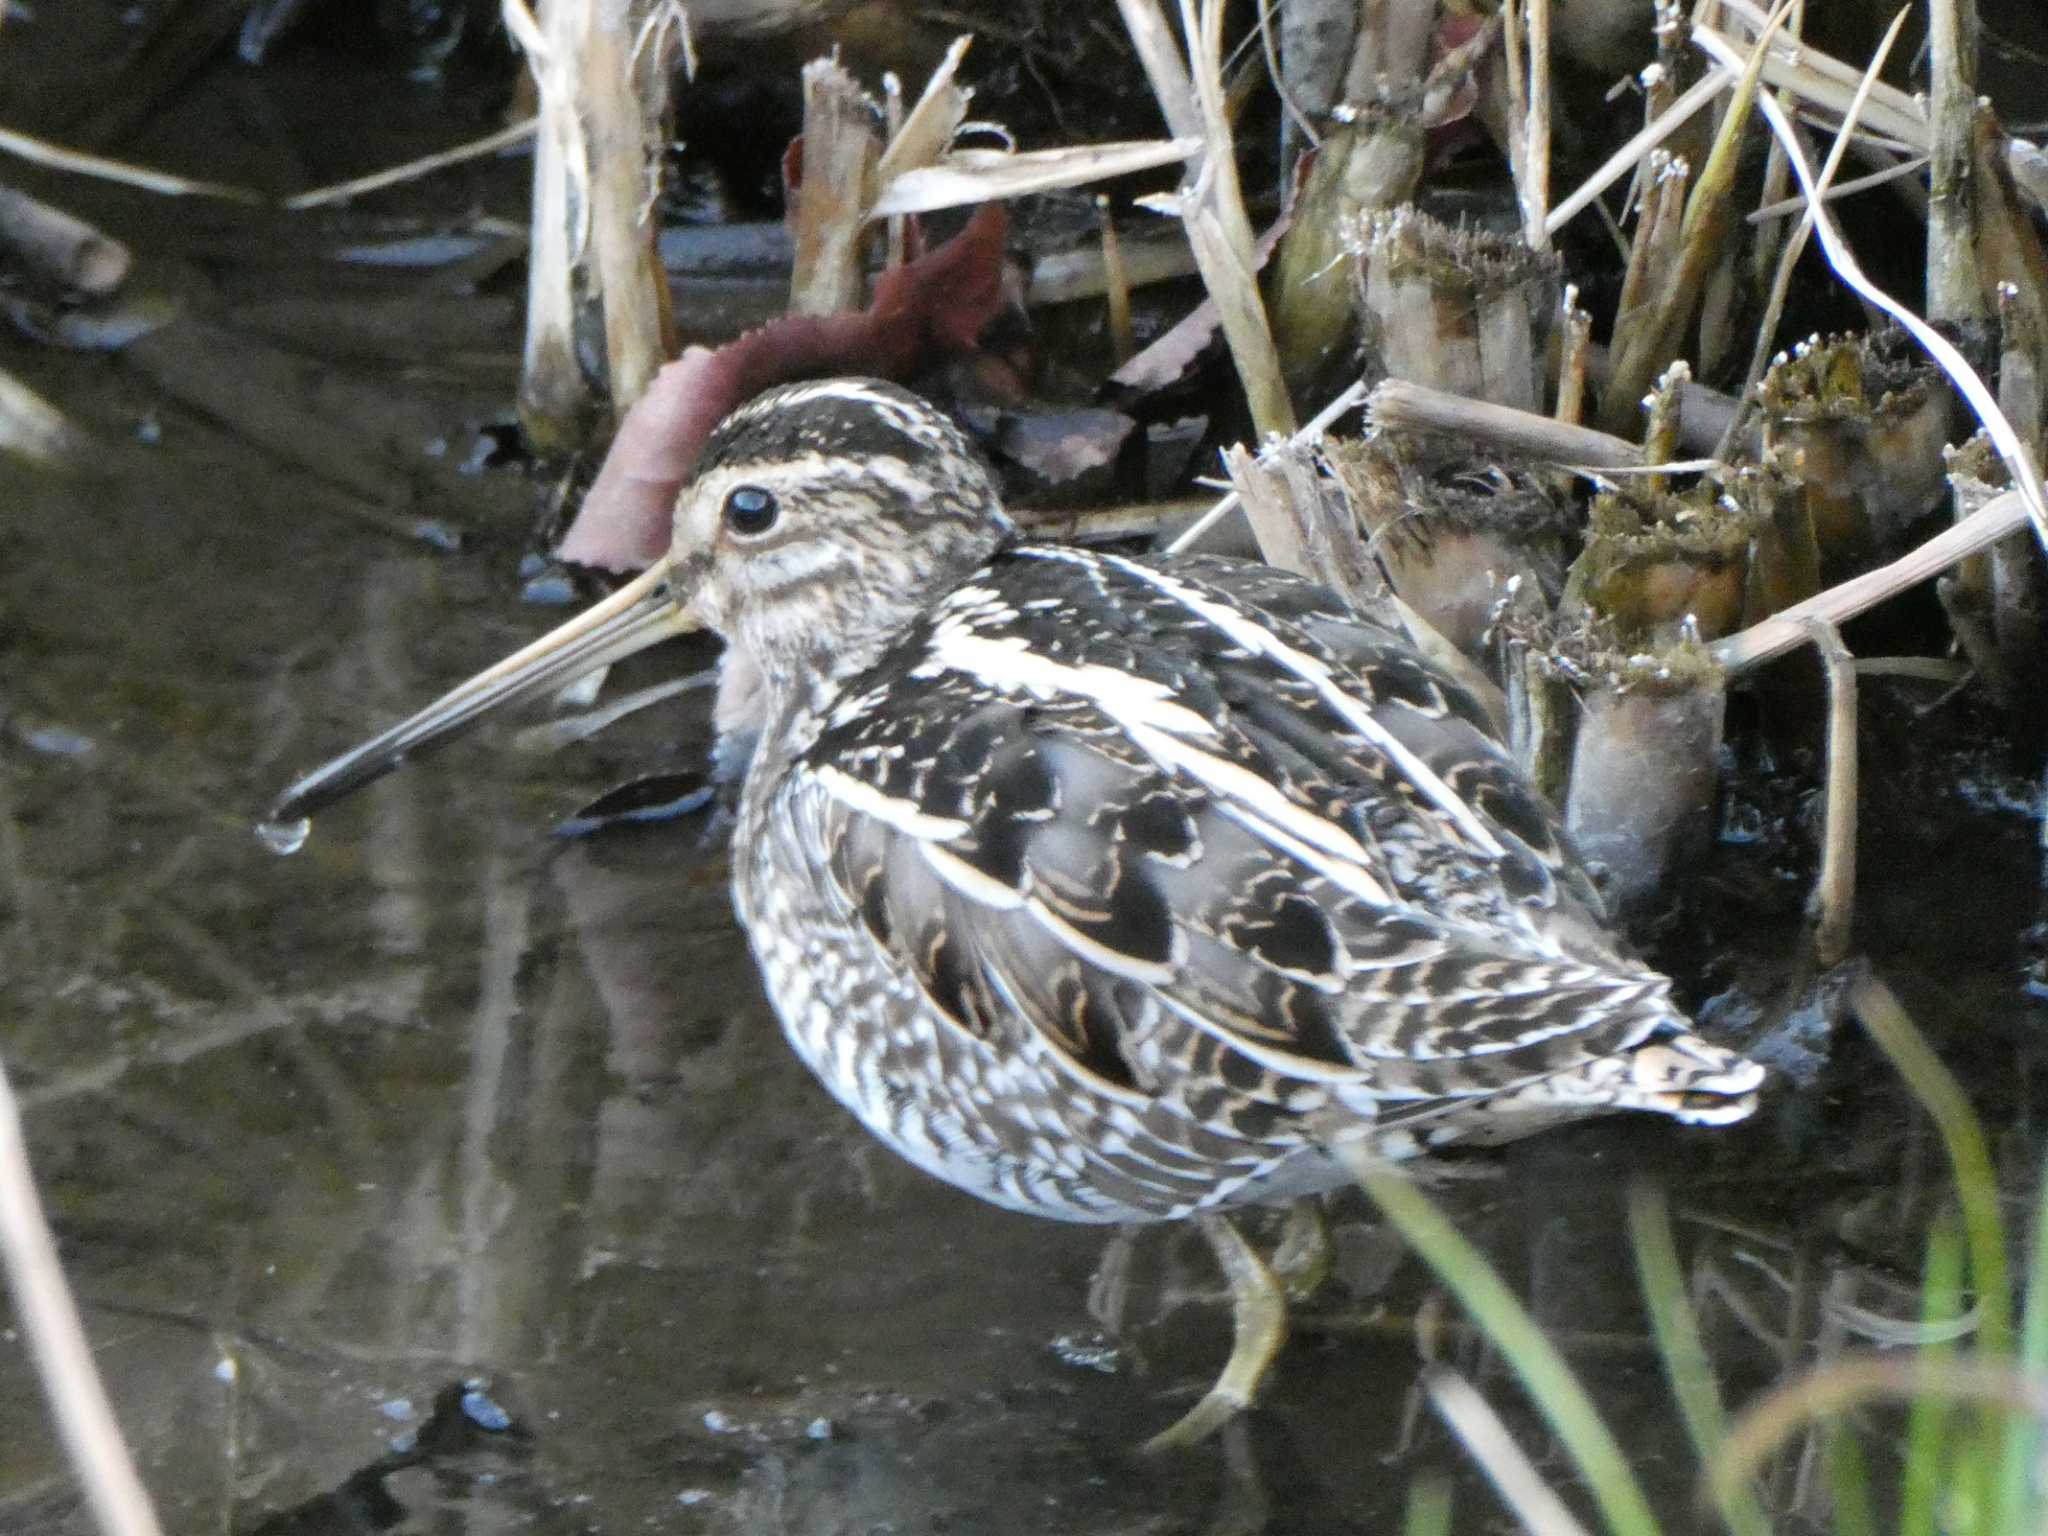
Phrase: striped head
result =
(824, 517)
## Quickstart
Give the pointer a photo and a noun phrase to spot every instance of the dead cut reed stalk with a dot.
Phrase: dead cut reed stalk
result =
(57, 1343)
(1458, 310)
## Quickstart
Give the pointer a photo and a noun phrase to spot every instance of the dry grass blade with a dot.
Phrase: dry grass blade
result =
(56, 1339)
(928, 128)
(1630, 155)
(988, 175)
(412, 170)
(1838, 1388)
(1781, 282)
(2017, 458)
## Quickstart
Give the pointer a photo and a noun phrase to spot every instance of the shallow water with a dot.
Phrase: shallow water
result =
(448, 1177)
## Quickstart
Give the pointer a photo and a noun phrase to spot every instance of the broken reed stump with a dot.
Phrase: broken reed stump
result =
(1370, 162)
(835, 188)
(1997, 601)
(603, 69)
(1862, 426)
(1461, 310)
(1455, 536)
(1616, 706)
(1644, 773)
(59, 248)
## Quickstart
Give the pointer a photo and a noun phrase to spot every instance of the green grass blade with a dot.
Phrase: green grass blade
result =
(1848, 1482)
(1683, 1351)
(1962, 1137)
(1925, 1475)
(1429, 1507)
(2012, 1502)
(1544, 1374)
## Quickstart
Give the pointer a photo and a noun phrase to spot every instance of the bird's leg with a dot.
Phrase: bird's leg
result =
(1258, 1327)
(1303, 1258)
(1109, 1288)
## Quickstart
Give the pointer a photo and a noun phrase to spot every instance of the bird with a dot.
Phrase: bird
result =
(1106, 887)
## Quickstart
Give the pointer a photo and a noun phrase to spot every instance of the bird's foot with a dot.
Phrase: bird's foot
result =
(1259, 1328)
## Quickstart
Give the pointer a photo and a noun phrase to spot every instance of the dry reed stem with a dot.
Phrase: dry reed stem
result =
(1123, 343)
(555, 399)
(1772, 637)
(1575, 340)
(841, 149)
(1192, 98)
(1652, 343)
(57, 157)
(1398, 405)
(2018, 458)
(1534, 192)
(1784, 207)
(1491, 1444)
(1625, 159)
(1795, 246)
(1832, 907)
(1311, 431)
(1955, 286)
(413, 170)
(625, 103)
(56, 1339)
(33, 429)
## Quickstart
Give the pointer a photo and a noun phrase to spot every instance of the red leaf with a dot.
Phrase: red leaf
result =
(924, 313)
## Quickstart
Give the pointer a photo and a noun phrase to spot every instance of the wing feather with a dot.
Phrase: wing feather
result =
(1220, 836)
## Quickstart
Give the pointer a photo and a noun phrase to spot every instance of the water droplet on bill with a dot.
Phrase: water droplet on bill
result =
(283, 838)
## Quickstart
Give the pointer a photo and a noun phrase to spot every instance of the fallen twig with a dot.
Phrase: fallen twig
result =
(58, 158)
(1772, 637)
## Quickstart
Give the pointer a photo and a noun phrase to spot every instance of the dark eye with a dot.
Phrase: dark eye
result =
(750, 510)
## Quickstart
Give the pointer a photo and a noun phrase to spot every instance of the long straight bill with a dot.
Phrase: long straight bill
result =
(636, 616)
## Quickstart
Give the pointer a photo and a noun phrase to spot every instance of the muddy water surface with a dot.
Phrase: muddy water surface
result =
(450, 1177)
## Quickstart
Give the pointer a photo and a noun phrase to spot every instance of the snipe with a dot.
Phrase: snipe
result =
(1112, 889)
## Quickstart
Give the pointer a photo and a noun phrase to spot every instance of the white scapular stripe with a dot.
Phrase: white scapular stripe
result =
(1322, 845)
(969, 881)
(903, 815)
(1011, 663)
(1153, 973)
(1262, 641)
